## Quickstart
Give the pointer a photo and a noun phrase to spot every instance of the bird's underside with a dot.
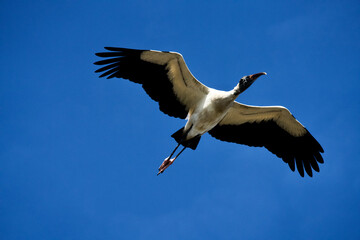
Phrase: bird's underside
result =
(167, 80)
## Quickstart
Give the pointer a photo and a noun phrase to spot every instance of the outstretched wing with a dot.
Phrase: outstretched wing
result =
(274, 128)
(163, 75)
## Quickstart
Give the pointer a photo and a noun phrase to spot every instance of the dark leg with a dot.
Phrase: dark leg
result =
(167, 162)
(180, 152)
(174, 150)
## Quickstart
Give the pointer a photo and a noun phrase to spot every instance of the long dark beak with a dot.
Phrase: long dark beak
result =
(256, 75)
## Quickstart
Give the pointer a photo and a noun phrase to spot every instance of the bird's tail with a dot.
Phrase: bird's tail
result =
(180, 135)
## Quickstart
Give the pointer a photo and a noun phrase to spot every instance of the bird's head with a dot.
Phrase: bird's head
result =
(246, 81)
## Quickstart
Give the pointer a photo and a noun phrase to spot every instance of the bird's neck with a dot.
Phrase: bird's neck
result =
(236, 91)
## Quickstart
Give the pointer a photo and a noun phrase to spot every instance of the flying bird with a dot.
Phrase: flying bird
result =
(167, 80)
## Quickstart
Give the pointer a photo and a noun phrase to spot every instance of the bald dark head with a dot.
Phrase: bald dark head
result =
(246, 81)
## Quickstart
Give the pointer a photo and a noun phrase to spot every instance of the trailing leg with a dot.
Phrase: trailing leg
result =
(180, 138)
(168, 161)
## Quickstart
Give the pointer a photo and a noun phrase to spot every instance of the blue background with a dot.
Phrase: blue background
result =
(79, 154)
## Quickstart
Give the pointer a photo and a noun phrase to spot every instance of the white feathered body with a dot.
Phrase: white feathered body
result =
(209, 112)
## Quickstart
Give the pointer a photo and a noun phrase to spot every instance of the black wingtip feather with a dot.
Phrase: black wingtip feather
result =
(314, 164)
(319, 157)
(299, 166)
(109, 54)
(107, 67)
(307, 167)
(109, 72)
(291, 164)
(114, 48)
(117, 49)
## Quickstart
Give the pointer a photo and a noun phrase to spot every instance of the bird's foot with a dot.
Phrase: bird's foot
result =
(167, 162)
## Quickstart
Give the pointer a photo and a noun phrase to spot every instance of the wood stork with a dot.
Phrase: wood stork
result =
(167, 80)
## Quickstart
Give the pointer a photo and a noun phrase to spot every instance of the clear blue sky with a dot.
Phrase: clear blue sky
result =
(79, 154)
